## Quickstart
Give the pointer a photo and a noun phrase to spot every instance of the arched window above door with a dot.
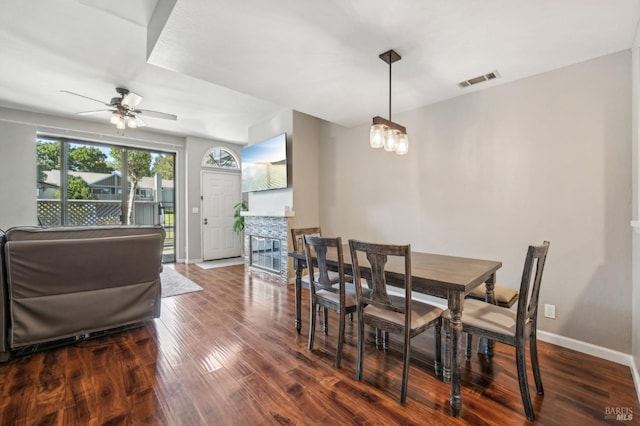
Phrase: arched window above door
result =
(220, 158)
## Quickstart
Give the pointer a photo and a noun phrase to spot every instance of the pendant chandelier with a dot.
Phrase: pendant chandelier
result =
(385, 133)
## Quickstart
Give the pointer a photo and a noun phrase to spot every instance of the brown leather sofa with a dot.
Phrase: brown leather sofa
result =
(65, 284)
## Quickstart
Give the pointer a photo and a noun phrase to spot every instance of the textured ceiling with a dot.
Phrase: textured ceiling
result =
(222, 66)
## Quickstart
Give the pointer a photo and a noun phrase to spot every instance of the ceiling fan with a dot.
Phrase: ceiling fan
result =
(123, 109)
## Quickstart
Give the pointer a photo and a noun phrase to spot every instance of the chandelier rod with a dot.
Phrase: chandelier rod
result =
(390, 62)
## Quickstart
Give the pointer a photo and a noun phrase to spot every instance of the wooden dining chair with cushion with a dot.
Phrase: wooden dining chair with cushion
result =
(322, 291)
(298, 245)
(297, 242)
(389, 313)
(509, 327)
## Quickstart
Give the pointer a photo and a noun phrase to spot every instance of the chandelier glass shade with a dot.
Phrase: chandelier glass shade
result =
(385, 133)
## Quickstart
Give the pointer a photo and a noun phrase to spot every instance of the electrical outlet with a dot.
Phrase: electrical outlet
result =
(550, 311)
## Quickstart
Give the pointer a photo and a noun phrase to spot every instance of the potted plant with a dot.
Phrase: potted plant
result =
(238, 223)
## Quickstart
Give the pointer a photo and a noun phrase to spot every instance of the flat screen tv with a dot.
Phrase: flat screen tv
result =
(264, 165)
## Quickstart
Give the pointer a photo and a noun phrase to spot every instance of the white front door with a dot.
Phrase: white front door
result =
(220, 192)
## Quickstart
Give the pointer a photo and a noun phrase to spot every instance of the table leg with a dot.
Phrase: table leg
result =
(455, 325)
(298, 291)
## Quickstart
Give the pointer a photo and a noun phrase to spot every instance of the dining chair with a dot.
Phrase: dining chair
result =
(509, 327)
(322, 291)
(297, 242)
(297, 235)
(389, 313)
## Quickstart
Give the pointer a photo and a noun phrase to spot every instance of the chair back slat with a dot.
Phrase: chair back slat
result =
(530, 285)
(316, 249)
(378, 280)
(377, 257)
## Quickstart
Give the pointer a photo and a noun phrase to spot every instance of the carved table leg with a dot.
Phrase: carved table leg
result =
(455, 325)
(298, 290)
(446, 362)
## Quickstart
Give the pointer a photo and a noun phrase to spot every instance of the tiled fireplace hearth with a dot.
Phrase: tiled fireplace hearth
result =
(266, 244)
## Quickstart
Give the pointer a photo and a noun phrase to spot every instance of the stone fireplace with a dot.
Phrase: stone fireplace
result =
(266, 237)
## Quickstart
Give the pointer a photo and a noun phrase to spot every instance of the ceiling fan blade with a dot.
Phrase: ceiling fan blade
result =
(140, 122)
(86, 97)
(156, 114)
(97, 111)
(131, 100)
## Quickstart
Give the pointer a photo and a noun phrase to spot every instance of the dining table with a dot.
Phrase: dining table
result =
(447, 277)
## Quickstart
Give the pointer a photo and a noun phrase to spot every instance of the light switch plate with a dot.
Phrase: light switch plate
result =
(550, 311)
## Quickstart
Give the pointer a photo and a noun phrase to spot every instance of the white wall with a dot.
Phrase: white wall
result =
(488, 173)
(17, 175)
(635, 138)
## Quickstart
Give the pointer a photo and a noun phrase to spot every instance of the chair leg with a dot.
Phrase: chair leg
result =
(521, 364)
(385, 340)
(326, 321)
(360, 347)
(467, 351)
(379, 339)
(405, 366)
(340, 337)
(533, 349)
(437, 364)
(312, 324)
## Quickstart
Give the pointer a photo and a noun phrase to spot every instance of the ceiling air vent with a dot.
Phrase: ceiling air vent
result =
(479, 79)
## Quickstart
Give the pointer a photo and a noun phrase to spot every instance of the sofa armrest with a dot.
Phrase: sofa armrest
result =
(4, 305)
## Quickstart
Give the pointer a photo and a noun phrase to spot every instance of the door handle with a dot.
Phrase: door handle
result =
(205, 221)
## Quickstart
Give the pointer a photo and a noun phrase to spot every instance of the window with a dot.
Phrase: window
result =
(82, 183)
(220, 158)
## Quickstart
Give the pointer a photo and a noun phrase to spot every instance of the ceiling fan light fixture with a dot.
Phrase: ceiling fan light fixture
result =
(131, 121)
(123, 109)
(115, 117)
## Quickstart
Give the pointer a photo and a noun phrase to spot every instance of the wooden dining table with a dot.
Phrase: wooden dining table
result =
(447, 277)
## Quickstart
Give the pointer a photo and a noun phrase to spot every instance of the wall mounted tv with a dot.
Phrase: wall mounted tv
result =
(264, 165)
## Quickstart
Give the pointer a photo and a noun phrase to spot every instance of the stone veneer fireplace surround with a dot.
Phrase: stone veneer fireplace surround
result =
(268, 225)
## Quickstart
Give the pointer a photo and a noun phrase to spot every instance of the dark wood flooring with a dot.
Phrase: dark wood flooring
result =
(229, 355)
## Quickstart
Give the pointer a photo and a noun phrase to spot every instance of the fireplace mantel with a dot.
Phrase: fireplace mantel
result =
(285, 213)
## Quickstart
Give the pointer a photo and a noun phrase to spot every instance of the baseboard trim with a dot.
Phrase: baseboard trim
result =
(587, 348)
(597, 351)
(636, 377)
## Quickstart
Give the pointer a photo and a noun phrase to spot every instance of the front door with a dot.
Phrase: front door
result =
(220, 192)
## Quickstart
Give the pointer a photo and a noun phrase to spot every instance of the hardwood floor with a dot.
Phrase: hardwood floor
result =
(229, 355)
